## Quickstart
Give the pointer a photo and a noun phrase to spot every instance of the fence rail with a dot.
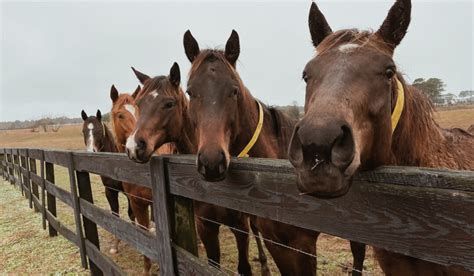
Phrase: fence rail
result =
(423, 213)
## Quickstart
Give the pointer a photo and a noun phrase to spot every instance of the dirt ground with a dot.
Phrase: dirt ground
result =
(26, 248)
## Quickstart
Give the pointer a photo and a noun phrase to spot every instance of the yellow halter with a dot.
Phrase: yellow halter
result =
(256, 134)
(397, 111)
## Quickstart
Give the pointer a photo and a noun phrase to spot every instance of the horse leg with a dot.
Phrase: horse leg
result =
(131, 216)
(262, 257)
(242, 239)
(112, 198)
(152, 223)
(358, 253)
(289, 260)
(140, 209)
(209, 234)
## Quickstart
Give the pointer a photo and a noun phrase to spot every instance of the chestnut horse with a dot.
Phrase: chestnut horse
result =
(124, 114)
(98, 138)
(361, 114)
(164, 119)
(227, 117)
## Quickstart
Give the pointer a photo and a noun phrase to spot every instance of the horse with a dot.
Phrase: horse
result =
(98, 138)
(229, 121)
(124, 114)
(164, 119)
(360, 114)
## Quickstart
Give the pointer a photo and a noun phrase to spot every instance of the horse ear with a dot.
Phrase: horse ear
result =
(140, 76)
(135, 94)
(84, 115)
(191, 47)
(98, 115)
(113, 93)
(175, 74)
(396, 24)
(232, 48)
(318, 26)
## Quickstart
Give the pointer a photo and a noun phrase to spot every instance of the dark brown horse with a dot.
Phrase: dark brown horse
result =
(125, 114)
(164, 119)
(98, 138)
(226, 117)
(361, 114)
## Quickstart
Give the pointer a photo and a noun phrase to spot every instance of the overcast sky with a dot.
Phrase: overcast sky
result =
(59, 58)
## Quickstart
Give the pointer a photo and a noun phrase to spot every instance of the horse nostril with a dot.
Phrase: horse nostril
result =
(343, 149)
(141, 144)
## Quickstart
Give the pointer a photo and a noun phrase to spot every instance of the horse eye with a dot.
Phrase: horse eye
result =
(120, 116)
(189, 93)
(390, 72)
(305, 77)
(170, 105)
(235, 92)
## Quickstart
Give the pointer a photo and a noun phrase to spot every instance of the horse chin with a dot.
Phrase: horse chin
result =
(324, 182)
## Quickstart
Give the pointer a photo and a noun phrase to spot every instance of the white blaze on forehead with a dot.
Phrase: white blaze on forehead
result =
(90, 138)
(131, 145)
(154, 94)
(130, 108)
(348, 47)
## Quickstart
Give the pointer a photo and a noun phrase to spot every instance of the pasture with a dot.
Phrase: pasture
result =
(333, 253)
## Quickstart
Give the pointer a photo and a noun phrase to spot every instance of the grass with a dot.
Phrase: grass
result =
(26, 248)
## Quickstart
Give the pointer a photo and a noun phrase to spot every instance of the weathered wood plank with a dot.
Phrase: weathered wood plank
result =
(36, 179)
(136, 237)
(371, 213)
(56, 157)
(58, 192)
(34, 186)
(63, 230)
(103, 262)
(76, 209)
(90, 228)
(407, 176)
(162, 215)
(36, 202)
(113, 165)
(22, 152)
(35, 154)
(188, 264)
(49, 171)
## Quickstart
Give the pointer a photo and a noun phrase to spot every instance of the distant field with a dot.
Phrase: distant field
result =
(16, 245)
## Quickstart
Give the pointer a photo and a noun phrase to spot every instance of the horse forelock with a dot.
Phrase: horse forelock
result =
(366, 39)
(213, 55)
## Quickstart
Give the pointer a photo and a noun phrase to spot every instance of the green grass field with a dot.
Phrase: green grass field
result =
(26, 248)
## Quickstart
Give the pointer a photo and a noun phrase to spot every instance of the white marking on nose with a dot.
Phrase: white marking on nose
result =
(346, 48)
(90, 138)
(130, 108)
(131, 145)
(154, 94)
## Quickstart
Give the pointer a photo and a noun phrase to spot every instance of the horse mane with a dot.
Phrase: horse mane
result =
(420, 141)
(283, 128)
(109, 139)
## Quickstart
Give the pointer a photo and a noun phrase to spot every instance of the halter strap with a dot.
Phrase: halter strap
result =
(398, 109)
(256, 134)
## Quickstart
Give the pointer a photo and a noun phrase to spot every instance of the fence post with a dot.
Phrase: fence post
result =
(90, 228)
(51, 198)
(26, 178)
(2, 158)
(34, 186)
(77, 215)
(16, 170)
(160, 209)
(43, 190)
(12, 169)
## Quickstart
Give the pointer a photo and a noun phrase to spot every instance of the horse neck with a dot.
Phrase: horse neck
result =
(109, 143)
(418, 139)
(248, 121)
(187, 141)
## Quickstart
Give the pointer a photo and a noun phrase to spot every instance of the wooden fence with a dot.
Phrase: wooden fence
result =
(424, 213)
